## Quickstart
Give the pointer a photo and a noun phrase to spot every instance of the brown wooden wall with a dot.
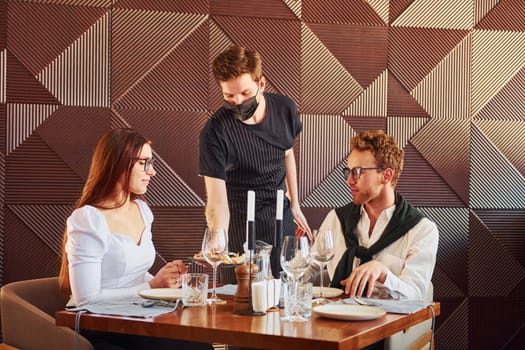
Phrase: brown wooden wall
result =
(447, 78)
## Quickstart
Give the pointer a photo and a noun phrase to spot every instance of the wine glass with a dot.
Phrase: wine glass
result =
(322, 252)
(214, 248)
(295, 259)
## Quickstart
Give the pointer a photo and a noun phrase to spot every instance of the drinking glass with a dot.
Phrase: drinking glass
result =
(322, 252)
(295, 259)
(214, 249)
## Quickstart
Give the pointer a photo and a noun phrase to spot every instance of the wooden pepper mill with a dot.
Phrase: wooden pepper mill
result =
(241, 298)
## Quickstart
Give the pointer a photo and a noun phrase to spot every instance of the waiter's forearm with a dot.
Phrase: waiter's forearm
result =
(291, 178)
(217, 210)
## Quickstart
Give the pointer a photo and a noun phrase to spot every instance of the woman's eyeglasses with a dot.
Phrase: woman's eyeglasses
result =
(146, 162)
(356, 172)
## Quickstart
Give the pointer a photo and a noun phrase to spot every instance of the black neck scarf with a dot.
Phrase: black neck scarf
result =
(405, 217)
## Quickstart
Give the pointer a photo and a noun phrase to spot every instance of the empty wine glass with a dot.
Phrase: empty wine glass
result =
(295, 259)
(322, 252)
(214, 249)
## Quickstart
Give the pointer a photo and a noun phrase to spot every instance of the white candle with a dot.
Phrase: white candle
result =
(251, 206)
(279, 206)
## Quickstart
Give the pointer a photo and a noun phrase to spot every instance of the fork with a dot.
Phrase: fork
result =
(360, 302)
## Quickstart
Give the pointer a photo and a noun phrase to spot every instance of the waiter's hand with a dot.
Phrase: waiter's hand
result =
(302, 224)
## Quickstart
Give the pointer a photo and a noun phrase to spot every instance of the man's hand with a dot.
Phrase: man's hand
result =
(369, 272)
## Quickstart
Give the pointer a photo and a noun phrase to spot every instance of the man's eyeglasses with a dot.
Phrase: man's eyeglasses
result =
(356, 172)
(147, 162)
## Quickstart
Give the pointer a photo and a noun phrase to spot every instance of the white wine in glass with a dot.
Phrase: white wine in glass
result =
(214, 249)
(322, 252)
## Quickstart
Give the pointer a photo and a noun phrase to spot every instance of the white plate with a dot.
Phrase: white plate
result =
(162, 293)
(327, 291)
(349, 312)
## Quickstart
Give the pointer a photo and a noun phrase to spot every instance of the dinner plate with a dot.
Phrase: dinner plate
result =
(327, 291)
(162, 293)
(349, 312)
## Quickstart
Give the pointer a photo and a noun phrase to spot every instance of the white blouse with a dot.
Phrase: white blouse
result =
(106, 265)
(410, 260)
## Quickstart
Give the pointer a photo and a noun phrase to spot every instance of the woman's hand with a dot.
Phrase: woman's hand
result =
(169, 275)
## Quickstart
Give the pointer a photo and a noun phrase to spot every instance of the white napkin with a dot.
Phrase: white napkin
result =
(265, 294)
(392, 305)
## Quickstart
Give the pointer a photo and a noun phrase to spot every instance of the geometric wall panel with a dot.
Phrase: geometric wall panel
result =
(3, 59)
(372, 102)
(177, 232)
(501, 53)
(50, 181)
(334, 11)
(404, 129)
(490, 279)
(79, 76)
(368, 57)
(506, 16)
(449, 156)
(487, 161)
(451, 15)
(400, 102)
(140, 40)
(275, 9)
(453, 225)
(295, 6)
(171, 83)
(75, 123)
(422, 185)
(194, 6)
(508, 228)
(381, 8)
(22, 120)
(509, 102)
(450, 75)
(504, 135)
(324, 144)
(22, 86)
(499, 323)
(327, 86)
(415, 52)
(43, 261)
(47, 222)
(481, 8)
(453, 332)
(31, 25)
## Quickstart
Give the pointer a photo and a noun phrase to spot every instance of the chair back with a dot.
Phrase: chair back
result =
(28, 316)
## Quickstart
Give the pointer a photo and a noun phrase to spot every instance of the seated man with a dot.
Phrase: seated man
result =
(385, 248)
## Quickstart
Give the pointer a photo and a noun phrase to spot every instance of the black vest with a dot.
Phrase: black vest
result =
(405, 217)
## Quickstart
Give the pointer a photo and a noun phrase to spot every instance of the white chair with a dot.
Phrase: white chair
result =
(417, 337)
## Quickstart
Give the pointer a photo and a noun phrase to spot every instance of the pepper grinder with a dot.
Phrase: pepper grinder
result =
(241, 298)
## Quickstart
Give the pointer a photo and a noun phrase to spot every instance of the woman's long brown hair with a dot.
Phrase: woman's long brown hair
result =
(113, 159)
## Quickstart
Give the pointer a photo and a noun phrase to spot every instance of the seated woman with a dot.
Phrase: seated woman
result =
(108, 246)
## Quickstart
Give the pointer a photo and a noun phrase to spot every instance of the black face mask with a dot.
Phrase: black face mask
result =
(245, 110)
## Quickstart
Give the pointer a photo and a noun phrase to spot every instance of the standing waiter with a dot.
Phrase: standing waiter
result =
(248, 145)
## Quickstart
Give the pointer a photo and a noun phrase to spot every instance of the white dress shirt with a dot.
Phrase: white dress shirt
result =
(410, 260)
(106, 265)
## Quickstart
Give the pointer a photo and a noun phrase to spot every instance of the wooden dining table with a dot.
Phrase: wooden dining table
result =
(218, 324)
